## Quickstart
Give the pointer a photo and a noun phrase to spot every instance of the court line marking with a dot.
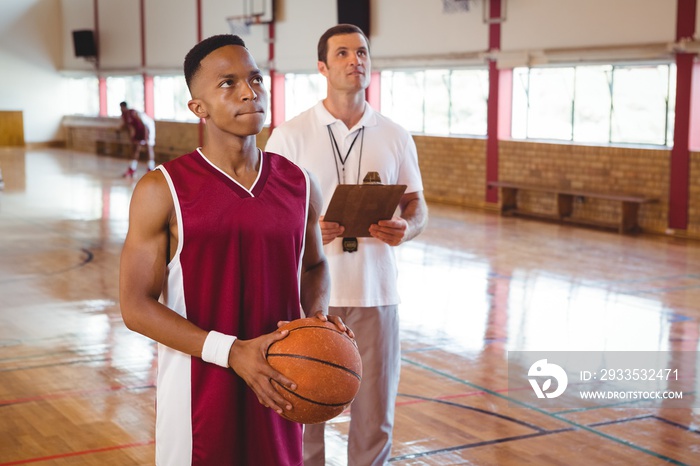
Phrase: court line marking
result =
(480, 410)
(80, 453)
(478, 444)
(88, 257)
(74, 393)
(546, 413)
(676, 424)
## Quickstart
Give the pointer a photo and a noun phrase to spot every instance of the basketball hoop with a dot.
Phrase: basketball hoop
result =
(240, 25)
(450, 7)
(247, 13)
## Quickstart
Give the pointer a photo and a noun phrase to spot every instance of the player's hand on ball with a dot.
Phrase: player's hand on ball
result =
(335, 320)
(248, 359)
(325, 364)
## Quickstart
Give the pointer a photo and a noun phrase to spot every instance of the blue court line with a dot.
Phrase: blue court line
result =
(624, 421)
(675, 424)
(657, 290)
(479, 410)
(693, 276)
(411, 456)
(546, 413)
(622, 404)
(88, 256)
(645, 417)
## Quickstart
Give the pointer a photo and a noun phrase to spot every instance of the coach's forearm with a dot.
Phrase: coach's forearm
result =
(415, 212)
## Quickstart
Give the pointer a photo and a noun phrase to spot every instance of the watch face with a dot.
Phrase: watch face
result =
(349, 244)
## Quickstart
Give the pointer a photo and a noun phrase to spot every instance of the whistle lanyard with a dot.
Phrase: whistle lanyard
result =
(338, 156)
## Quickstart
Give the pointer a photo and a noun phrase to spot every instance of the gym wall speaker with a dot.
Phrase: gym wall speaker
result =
(84, 43)
(354, 12)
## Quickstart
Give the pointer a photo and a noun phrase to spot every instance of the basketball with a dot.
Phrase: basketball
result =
(325, 365)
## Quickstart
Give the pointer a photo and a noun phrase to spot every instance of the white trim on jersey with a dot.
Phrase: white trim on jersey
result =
(178, 214)
(306, 225)
(257, 178)
(174, 405)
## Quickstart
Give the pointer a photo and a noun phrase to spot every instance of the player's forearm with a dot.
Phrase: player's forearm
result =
(315, 288)
(160, 323)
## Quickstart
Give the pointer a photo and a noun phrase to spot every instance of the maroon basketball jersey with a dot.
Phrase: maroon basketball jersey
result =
(131, 118)
(236, 271)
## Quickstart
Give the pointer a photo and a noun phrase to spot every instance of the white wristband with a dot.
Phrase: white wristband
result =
(217, 347)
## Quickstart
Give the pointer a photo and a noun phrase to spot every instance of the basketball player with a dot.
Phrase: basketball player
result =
(142, 132)
(228, 238)
(340, 140)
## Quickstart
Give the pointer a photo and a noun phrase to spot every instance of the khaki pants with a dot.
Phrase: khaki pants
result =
(372, 412)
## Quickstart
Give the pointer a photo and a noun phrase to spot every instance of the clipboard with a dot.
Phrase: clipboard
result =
(357, 206)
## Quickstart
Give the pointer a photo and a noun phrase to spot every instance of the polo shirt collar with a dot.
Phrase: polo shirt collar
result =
(369, 117)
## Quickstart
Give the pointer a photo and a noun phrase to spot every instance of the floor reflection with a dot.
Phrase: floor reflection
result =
(75, 384)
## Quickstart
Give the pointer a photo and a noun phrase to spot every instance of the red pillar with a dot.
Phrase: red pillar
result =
(373, 94)
(694, 143)
(101, 81)
(199, 39)
(492, 117)
(102, 89)
(148, 99)
(148, 103)
(679, 181)
(277, 107)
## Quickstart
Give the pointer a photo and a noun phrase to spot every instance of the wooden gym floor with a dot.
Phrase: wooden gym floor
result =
(77, 387)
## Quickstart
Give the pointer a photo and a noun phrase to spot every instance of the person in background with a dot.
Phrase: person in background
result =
(339, 140)
(142, 132)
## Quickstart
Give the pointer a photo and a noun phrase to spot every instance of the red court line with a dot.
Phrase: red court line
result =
(446, 397)
(54, 396)
(461, 395)
(80, 453)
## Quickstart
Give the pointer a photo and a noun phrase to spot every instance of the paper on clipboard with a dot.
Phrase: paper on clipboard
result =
(357, 206)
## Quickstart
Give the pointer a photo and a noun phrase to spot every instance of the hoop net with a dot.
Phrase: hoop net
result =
(450, 7)
(240, 25)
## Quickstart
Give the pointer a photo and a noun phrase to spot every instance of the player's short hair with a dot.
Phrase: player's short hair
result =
(336, 31)
(194, 57)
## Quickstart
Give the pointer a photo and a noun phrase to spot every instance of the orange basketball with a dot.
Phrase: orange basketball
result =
(325, 365)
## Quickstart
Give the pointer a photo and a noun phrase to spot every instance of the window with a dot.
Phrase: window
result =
(403, 95)
(640, 104)
(301, 92)
(267, 82)
(170, 99)
(439, 102)
(84, 96)
(127, 89)
(551, 103)
(603, 104)
(469, 99)
(593, 97)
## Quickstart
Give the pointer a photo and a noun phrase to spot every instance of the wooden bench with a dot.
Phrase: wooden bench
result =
(113, 142)
(565, 205)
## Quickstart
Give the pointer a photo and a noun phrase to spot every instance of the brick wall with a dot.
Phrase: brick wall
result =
(694, 196)
(590, 168)
(102, 136)
(454, 169)
(454, 172)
